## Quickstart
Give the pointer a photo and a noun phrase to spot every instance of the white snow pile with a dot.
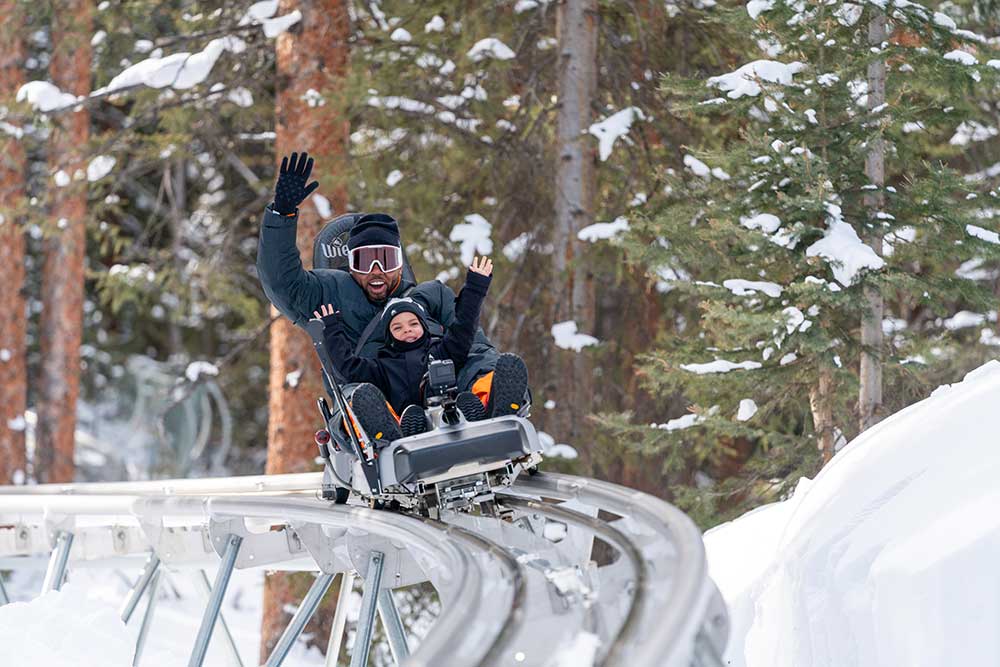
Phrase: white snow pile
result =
(982, 234)
(44, 96)
(888, 558)
(99, 167)
(64, 628)
(746, 80)
(720, 366)
(747, 409)
(474, 236)
(843, 250)
(615, 126)
(491, 47)
(741, 287)
(765, 222)
(603, 230)
(568, 338)
(196, 369)
(179, 70)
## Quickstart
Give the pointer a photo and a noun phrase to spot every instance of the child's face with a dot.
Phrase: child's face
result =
(406, 328)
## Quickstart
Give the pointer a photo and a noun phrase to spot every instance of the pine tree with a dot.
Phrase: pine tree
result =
(783, 231)
(13, 325)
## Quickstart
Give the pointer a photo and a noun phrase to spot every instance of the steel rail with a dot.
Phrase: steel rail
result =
(629, 627)
(671, 631)
(513, 620)
(451, 635)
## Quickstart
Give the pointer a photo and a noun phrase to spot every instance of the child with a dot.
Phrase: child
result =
(395, 374)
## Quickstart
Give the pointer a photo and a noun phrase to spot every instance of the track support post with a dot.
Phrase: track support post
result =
(56, 572)
(215, 600)
(147, 617)
(134, 595)
(339, 619)
(393, 625)
(366, 621)
(300, 619)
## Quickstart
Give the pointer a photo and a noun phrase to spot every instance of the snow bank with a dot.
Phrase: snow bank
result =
(888, 558)
(63, 628)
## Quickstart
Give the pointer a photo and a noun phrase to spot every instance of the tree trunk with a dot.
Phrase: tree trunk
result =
(821, 404)
(870, 393)
(61, 323)
(313, 54)
(572, 379)
(13, 370)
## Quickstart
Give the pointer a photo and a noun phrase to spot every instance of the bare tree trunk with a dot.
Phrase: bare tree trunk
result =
(576, 27)
(13, 370)
(821, 404)
(313, 54)
(65, 250)
(870, 393)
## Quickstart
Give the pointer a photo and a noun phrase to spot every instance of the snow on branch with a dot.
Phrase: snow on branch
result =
(603, 230)
(746, 80)
(843, 250)
(567, 337)
(720, 366)
(609, 130)
(491, 47)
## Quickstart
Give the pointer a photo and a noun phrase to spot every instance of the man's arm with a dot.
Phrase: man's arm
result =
(293, 290)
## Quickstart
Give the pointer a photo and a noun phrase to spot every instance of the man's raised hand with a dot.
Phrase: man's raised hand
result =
(482, 266)
(291, 189)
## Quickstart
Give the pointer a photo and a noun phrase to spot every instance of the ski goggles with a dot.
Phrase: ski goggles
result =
(364, 258)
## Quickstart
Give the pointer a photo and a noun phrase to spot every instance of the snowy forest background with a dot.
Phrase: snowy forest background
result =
(728, 236)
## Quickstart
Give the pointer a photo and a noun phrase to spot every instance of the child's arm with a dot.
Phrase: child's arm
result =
(458, 338)
(351, 366)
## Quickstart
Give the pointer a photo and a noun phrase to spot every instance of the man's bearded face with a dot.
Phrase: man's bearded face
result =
(378, 285)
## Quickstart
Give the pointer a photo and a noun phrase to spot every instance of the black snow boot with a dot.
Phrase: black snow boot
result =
(373, 414)
(471, 406)
(413, 421)
(509, 392)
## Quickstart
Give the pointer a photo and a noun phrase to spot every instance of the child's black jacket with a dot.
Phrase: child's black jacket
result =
(399, 367)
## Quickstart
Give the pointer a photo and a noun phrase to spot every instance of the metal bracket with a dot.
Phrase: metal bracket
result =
(256, 549)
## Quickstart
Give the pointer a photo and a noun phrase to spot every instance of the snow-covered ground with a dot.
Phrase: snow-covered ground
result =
(80, 625)
(887, 558)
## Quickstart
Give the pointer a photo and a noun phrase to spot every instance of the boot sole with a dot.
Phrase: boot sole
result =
(373, 414)
(510, 383)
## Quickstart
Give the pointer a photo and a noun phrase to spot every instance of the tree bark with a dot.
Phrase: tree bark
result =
(13, 324)
(870, 392)
(821, 404)
(576, 28)
(61, 323)
(314, 54)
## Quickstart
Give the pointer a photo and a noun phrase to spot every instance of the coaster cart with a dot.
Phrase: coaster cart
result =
(456, 465)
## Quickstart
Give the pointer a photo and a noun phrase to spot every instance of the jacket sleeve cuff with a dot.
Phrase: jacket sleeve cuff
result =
(477, 282)
(274, 219)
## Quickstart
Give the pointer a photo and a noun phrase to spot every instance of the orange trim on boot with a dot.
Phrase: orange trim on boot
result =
(482, 386)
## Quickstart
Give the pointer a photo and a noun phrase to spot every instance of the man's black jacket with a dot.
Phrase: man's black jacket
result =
(296, 293)
(399, 367)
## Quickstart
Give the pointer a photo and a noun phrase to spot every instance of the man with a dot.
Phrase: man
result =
(376, 275)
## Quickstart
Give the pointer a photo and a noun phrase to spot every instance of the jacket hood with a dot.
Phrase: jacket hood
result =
(403, 305)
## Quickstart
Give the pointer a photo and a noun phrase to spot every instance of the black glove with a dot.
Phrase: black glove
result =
(291, 189)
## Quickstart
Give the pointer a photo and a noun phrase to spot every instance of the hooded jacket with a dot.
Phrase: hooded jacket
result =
(297, 293)
(398, 368)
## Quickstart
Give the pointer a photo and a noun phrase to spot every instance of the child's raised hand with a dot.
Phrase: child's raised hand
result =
(482, 266)
(324, 311)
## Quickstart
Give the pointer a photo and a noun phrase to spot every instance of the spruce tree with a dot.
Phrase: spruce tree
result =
(780, 238)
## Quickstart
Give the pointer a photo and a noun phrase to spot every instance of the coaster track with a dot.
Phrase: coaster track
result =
(570, 563)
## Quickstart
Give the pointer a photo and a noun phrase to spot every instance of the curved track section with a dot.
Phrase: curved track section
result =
(567, 567)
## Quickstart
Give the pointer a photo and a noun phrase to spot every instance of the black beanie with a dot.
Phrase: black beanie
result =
(374, 229)
(402, 305)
